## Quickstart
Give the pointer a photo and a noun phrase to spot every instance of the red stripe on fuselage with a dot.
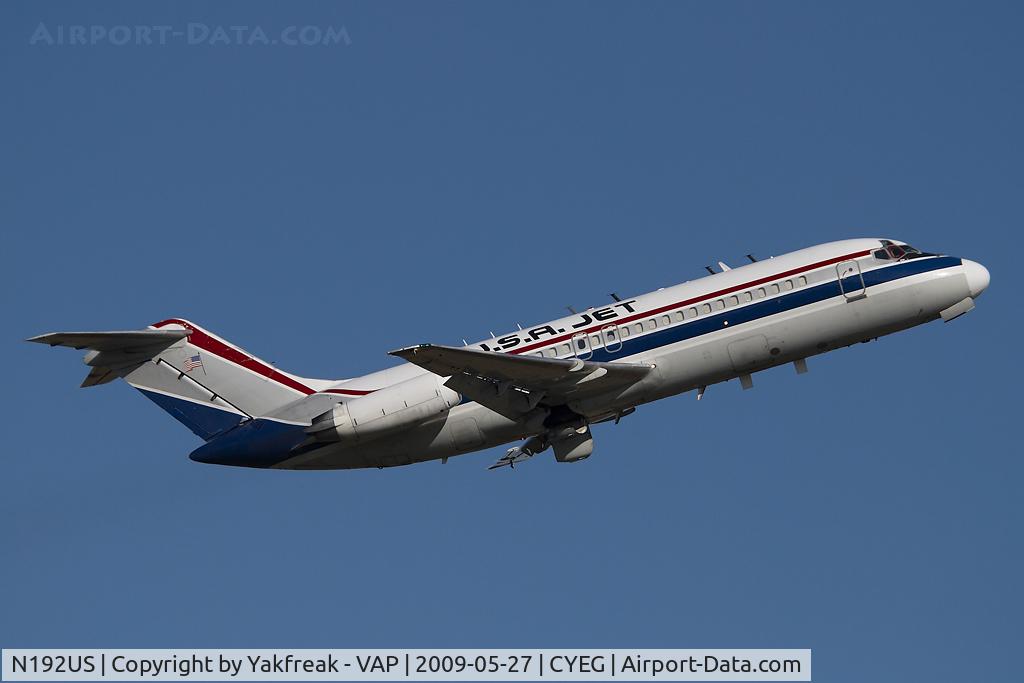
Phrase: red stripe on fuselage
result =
(207, 343)
(687, 302)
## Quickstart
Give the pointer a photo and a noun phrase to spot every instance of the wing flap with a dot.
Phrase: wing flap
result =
(451, 360)
(495, 380)
(512, 403)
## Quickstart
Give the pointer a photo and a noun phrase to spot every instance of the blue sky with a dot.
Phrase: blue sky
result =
(460, 167)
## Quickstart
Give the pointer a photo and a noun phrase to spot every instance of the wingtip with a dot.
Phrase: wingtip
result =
(408, 350)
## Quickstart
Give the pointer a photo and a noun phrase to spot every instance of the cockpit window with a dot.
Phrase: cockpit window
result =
(898, 252)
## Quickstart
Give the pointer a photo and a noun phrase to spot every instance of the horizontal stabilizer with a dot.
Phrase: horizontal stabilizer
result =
(114, 354)
(111, 341)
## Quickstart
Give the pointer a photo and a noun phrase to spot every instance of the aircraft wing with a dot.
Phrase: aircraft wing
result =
(513, 385)
(114, 354)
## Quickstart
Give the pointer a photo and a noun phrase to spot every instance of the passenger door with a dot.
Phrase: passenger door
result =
(851, 280)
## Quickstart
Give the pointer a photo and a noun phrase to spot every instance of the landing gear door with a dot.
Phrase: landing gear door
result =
(851, 280)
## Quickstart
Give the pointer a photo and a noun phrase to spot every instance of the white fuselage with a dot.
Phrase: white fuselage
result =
(727, 325)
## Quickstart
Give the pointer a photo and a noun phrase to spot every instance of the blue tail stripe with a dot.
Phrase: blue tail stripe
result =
(257, 443)
(206, 422)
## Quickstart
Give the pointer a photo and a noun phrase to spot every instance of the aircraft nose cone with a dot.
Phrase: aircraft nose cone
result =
(977, 277)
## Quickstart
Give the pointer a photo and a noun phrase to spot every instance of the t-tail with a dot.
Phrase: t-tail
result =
(205, 382)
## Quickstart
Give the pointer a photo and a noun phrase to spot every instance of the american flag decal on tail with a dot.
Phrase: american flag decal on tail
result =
(193, 362)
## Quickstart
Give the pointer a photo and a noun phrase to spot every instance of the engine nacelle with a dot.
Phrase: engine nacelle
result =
(385, 411)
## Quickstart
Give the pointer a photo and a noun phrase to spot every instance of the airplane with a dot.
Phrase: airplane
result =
(545, 385)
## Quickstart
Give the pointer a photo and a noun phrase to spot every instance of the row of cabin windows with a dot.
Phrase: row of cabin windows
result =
(613, 341)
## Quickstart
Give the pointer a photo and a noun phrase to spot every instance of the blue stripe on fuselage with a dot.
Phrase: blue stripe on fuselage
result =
(789, 301)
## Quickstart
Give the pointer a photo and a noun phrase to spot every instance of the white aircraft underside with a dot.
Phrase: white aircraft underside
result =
(546, 384)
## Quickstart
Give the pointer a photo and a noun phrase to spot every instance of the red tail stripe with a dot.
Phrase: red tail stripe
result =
(200, 339)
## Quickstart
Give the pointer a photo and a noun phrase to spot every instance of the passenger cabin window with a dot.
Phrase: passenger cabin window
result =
(760, 293)
(733, 300)
(705, 308)
(747, 296)
(774, 289)
(666, 320)
(638, 328)
(691, 312)
(565, 349)
(801, 281)
(650, 324)
(787, 285)
(624, 331)
(719, 305)
(679, 315)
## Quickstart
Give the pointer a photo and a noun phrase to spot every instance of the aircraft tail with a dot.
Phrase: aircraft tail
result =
(203, 381)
